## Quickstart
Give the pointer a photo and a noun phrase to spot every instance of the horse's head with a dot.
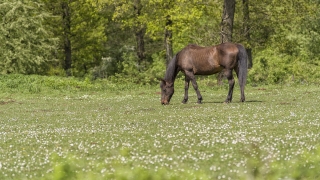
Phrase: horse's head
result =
(167, 91)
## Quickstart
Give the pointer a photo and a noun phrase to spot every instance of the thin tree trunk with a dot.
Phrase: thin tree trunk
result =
(140, 32)
(246, 30)
(66, 17)
(140, 45)
(226, 27)
(168, 40)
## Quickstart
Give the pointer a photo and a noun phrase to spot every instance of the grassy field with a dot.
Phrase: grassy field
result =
(80, 133)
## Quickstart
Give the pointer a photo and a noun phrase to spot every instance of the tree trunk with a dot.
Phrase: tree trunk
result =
(246, 30)
(66, 18)
(140, 32)
(227, 20)
(226, 27)
(168, 40)
(140, 45)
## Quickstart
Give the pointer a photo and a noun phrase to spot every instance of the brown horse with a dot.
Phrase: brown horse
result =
(196, 60)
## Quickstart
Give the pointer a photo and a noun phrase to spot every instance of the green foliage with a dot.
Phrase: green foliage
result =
(286, 52)
(63, 170)
(270, 68)
(307, 169)
(87, 34)
(27, 44)
(140, 74)
(185, 16)
(69, 168)
(33, 84)
(302, 167)
(157, 68)
(282, 45)
(284, 37)
(104, 70)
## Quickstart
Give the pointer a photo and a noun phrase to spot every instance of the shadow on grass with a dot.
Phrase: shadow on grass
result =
(222, 102)
(195, 104)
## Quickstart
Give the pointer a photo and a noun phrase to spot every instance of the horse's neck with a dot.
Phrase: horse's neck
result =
(170, 77)
(172, 71)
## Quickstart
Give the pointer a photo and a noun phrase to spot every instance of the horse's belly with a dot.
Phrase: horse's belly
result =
(208, 70)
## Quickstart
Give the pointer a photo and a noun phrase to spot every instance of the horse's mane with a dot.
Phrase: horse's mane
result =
(171, 72)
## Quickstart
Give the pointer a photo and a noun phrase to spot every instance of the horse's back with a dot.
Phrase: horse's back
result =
(220, 49)
(208, 60)
(200, 60)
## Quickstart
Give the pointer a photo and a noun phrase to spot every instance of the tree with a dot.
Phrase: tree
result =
(246, 30)
(140, 30)
(80, 28)
(281, 32)
(227, 20)
(168, 39)
(26, 43)
(66, 35)
(175, 19)
(226, 26)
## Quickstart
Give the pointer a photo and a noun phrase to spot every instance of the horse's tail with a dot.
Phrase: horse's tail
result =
(242, 68)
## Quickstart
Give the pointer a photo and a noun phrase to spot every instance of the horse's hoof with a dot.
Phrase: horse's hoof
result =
(184, 101)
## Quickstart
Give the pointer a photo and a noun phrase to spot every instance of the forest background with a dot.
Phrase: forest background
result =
(132, 40)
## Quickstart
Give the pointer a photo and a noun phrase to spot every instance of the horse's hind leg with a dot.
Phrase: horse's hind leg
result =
(228, 74)
(191, 76)
(186, 87)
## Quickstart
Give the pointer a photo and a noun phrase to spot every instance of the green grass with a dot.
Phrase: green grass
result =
(97, 132)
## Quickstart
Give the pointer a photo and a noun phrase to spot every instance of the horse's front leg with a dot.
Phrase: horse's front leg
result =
(195, 85)
(228, 74)
(186, 87)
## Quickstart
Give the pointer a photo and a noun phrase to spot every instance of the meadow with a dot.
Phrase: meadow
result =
(59, 128)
